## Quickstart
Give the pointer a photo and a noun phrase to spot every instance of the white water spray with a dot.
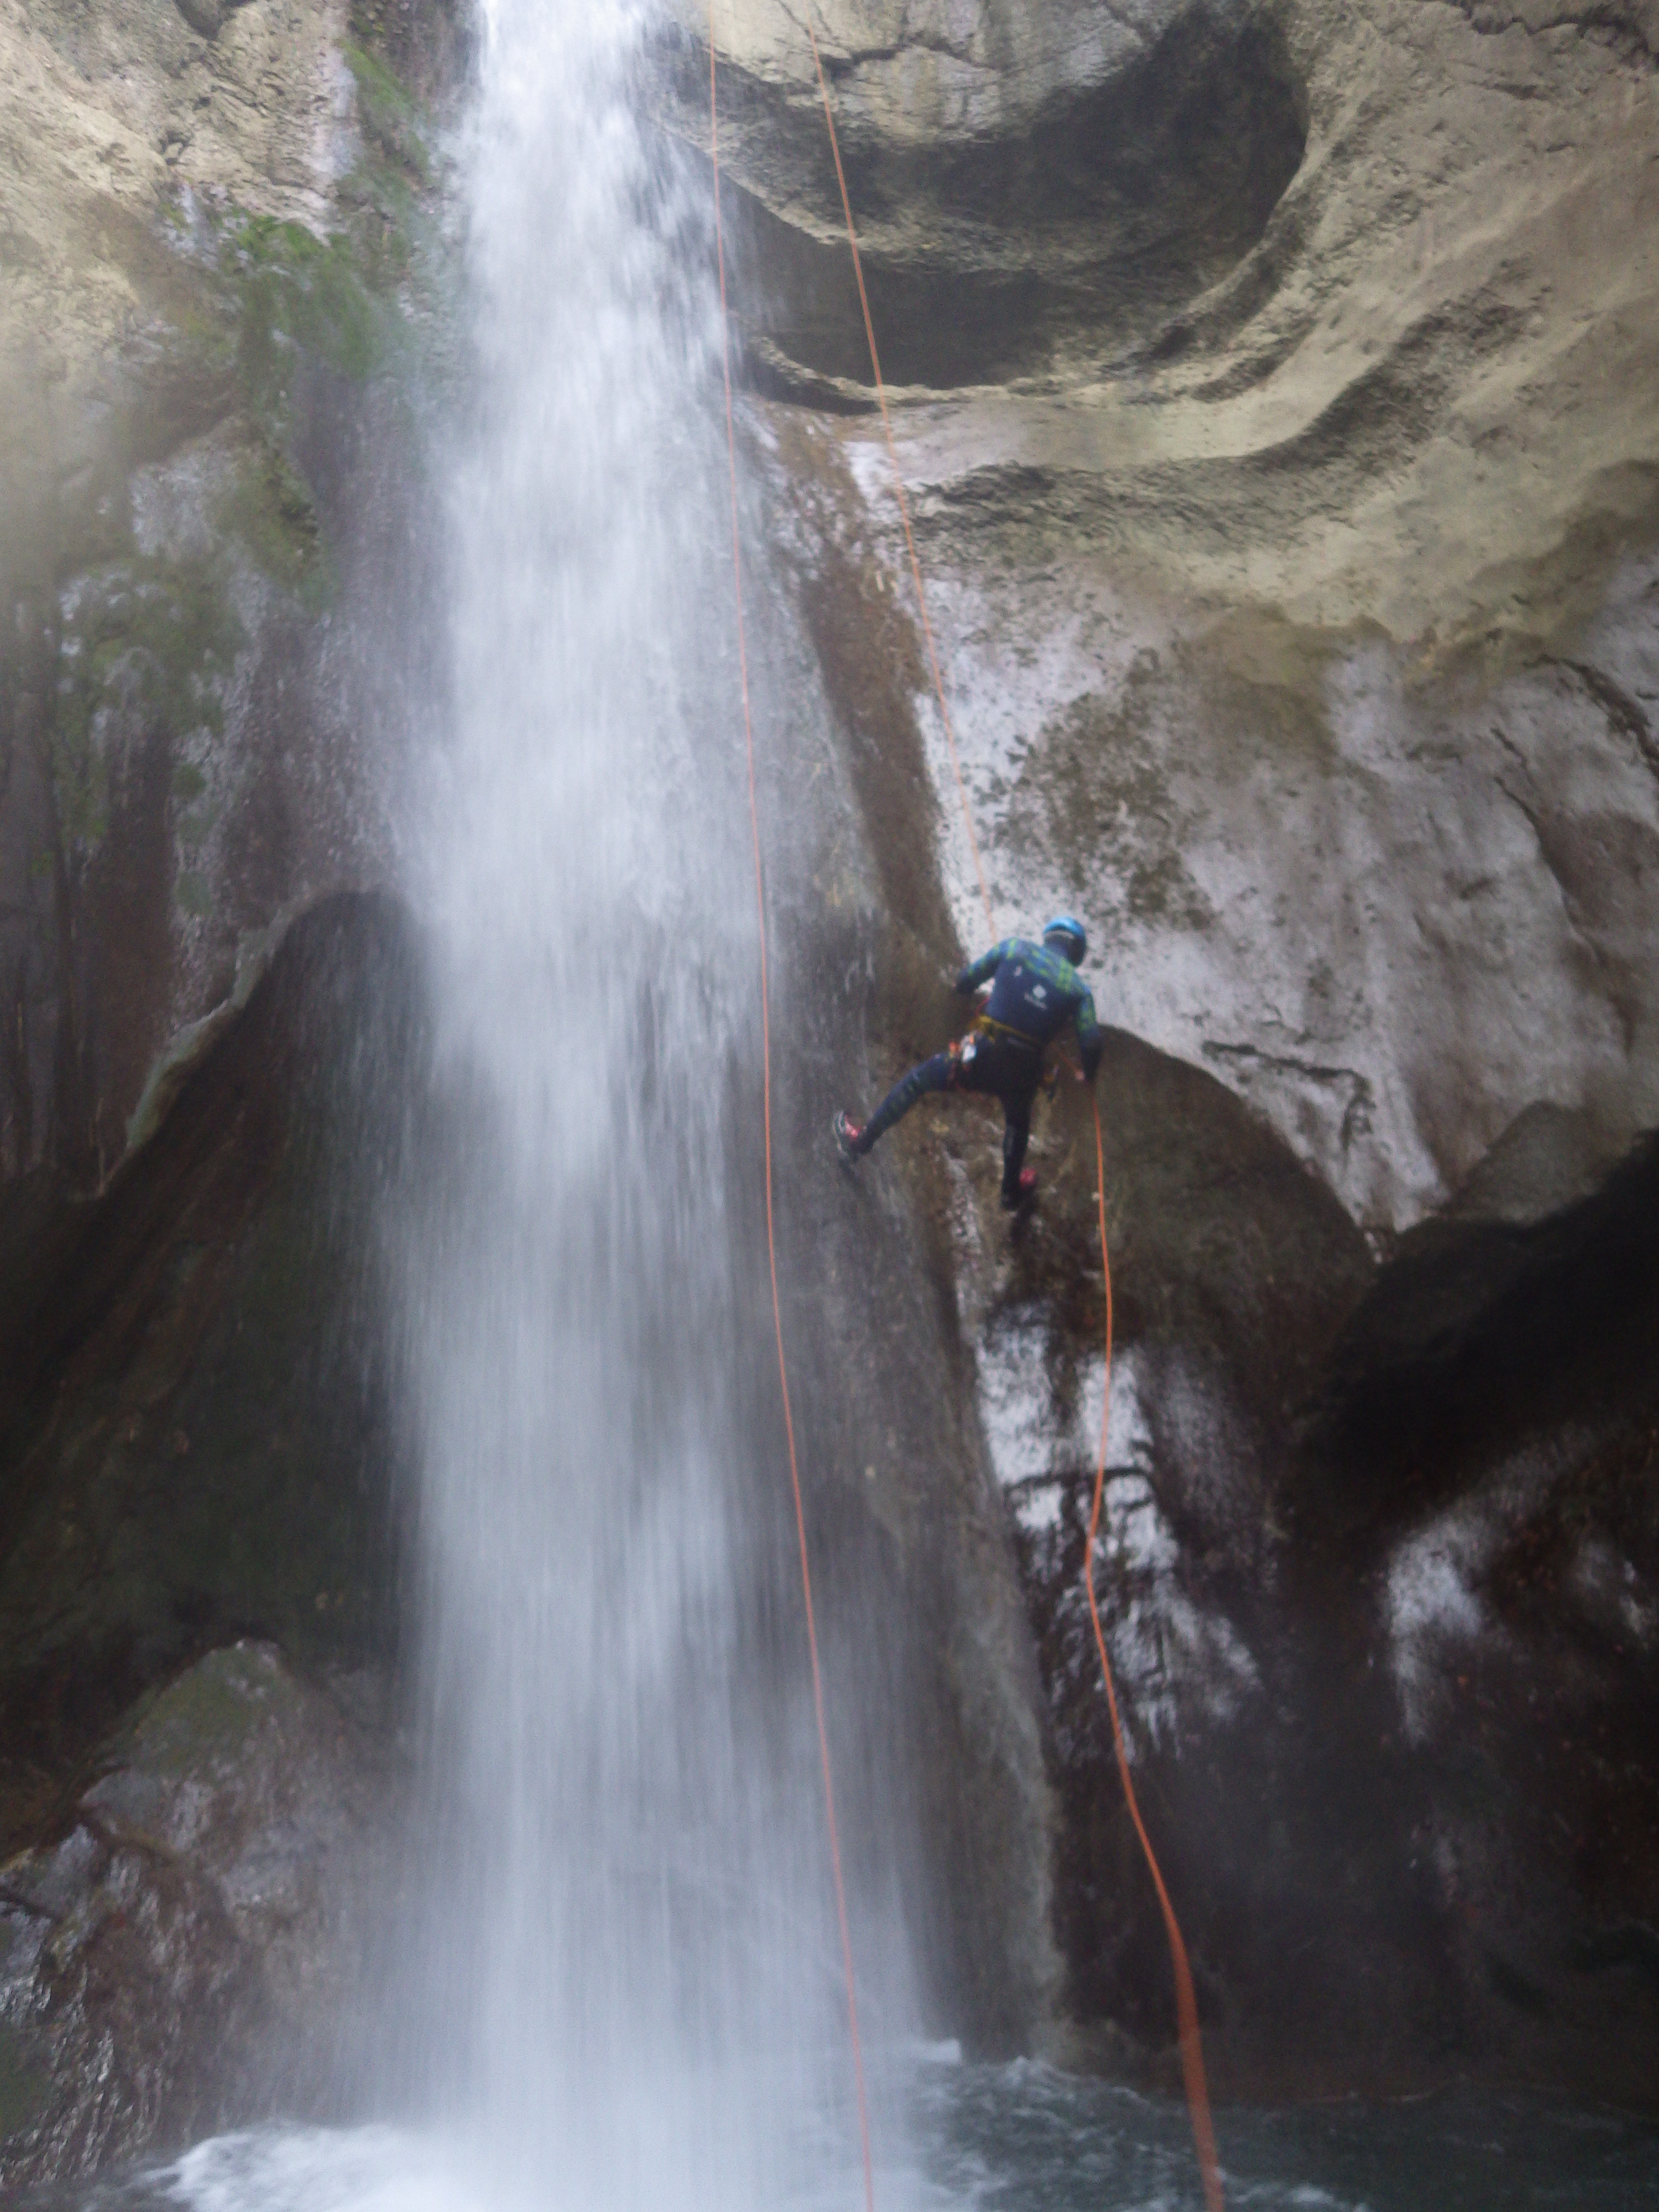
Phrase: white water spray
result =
(618, 1980)
(622, 1979)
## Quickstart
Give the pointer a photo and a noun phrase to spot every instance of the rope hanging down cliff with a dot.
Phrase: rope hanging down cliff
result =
(771, 1235)
(1187, 2010)
(1192, 2049)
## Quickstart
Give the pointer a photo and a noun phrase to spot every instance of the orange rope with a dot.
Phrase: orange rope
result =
(1192, 2049)
(898, 485)
(771, 1235)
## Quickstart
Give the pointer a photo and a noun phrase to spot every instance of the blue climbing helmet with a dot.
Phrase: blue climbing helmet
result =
(1068, 927)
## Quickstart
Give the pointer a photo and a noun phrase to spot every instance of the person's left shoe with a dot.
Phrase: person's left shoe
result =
(847, 1134)
(1013, 1200)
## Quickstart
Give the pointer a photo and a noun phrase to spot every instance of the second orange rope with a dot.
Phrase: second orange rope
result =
(771, 1233)
(1192, 2049)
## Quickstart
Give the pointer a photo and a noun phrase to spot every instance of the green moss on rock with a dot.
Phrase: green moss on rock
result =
(295, 293)
(271, 509)
(146, 646)
(392, 120)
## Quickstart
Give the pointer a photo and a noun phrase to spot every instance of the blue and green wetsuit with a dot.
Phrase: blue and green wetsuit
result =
(1035, 994)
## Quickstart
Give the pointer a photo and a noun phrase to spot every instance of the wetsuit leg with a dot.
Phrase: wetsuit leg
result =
(1016, 1134)
(1010, 1073)
(935, 1074)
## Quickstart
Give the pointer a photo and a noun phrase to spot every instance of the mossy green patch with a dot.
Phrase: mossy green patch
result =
(385, 224)
(192, 829)
(296, 294)
(392, 120)
(258, 306)
(270, 509)
(204, 1716)
(285, 303)
(146, 644)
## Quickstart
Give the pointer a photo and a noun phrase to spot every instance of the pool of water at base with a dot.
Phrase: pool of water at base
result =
(1016, 2138)
(1025, 2138)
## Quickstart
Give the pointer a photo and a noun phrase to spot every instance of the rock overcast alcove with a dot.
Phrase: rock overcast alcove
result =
(1065, 229)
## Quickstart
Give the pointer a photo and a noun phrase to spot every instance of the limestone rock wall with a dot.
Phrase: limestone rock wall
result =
(1273, 388)
(1296, 608)
(216, 320)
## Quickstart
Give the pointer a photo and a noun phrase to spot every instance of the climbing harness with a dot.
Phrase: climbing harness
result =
(1192, 2053)
(983, 1029)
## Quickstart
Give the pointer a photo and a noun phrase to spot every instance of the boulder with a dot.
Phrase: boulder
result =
(174, 1956)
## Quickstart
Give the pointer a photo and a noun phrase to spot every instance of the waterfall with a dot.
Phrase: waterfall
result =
(623, 1970)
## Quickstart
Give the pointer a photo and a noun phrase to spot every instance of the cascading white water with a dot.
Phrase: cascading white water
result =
(618, 1975)
(626, 1934)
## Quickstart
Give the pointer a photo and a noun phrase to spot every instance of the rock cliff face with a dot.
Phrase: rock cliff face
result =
(217, 317)
(220, 317)
(199, 1443)
(1291, 563)
(1274, 388)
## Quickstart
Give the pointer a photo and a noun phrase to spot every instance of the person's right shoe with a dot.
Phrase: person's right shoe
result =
(847, 1134)
(1013, 1200)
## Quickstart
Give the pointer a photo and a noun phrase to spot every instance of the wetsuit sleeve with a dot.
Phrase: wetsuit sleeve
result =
(983, 969)
(1090, 1041)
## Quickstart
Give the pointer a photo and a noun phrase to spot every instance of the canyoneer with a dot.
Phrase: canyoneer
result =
(1035, 994)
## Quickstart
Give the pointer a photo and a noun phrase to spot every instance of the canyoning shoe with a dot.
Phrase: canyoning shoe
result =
(847, 1134)
(1013, 1200)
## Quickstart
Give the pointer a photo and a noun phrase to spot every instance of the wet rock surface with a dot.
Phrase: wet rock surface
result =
(1376, 1573)
(197, 1426)
(218, 322)
(1299, 632)
(178, 1952)
(198, 1444)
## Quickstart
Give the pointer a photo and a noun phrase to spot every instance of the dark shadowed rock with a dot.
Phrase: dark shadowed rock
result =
(196, 1433)
(177, 1955)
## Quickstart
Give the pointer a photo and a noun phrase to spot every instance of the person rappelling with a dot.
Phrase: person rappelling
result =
(1035, 994)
